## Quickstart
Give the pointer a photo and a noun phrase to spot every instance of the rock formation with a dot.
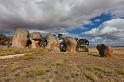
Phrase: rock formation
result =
(104, 50)
(70, 44)
(35, 38)
(52, 42)
(20, 38)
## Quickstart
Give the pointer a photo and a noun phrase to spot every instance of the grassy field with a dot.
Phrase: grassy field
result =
(43, 66)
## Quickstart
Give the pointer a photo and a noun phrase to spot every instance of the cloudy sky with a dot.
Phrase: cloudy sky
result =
(99, 21)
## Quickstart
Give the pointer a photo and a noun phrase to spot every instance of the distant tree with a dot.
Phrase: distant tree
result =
(2, 39)
(8, 40)
(5, 40)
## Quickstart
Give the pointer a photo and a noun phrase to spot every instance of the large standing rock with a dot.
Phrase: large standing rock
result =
(70, 44)
(52, 42)
(35, 40)
(104, 50)
(20, 38)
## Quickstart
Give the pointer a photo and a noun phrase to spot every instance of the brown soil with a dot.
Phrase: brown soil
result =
(42, 66)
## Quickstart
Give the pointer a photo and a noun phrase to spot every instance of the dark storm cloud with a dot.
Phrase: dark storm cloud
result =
(53, 15)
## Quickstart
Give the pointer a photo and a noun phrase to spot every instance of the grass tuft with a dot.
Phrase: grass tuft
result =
(92, 76)
(120, 70)
(37, 71)
(100, 68)
(28, 56)
(58, 63)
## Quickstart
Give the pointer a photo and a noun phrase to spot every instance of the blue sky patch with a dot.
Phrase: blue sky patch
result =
(95, 22)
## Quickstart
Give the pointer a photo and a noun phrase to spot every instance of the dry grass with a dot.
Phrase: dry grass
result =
(28, 56)
(39, 65)
(14, 66)
(100, 68)
(58, 63)
(12, 51)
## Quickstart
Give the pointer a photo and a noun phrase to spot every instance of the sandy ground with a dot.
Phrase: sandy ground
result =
(42, 66)
(11, 56)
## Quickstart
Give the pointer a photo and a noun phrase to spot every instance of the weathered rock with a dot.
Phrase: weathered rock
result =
(82, 45)
(20, 38)
(104, 50)
(52, 42)
(43, 42)
(70, 44)
(35, 38)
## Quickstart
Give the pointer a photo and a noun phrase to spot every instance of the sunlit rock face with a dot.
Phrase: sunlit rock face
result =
(35, 38)
(20, 38)
(70, 44)
(52, 42)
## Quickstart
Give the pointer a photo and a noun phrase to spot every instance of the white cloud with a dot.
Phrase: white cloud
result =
(97, 20)
(112, 27)
(44, 32)
(54, 15)
(111, 31)
(102, 31)
(93, 31)
(70, 34)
